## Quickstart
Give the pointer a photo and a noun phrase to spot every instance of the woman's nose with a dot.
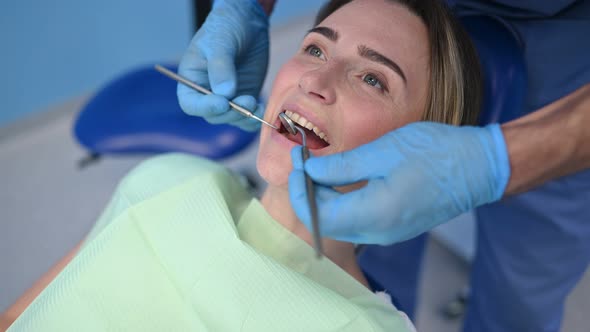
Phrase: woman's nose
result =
(320, 84)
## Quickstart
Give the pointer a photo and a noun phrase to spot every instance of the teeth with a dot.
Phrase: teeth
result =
(294, 116)
(303, 122)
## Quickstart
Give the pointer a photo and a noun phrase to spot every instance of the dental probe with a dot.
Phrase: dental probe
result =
(201, 89)
(293, 129)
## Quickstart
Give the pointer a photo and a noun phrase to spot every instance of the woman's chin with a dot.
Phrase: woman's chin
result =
(274, 178)
(274, 175)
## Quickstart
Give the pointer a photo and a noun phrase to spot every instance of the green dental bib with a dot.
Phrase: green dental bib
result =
(183, 246)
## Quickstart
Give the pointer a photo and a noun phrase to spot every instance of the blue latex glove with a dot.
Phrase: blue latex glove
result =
(419, 176)
(229, 56)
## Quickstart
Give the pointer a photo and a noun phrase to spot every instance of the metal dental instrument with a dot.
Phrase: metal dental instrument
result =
(293, 129)
(201, 89)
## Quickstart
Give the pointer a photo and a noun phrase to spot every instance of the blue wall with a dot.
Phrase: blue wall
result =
(51, 51)
(54, 50)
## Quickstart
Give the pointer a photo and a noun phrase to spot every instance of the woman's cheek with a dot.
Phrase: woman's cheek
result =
(274, 164)
(364, 123)
(289, 74)
(374, 119)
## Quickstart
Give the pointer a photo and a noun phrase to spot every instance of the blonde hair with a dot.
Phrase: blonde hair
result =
(455, 85)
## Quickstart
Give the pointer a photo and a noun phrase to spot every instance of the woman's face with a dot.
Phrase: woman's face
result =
(359, 74)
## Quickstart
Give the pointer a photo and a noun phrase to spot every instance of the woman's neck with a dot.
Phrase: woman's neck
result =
(276, 202)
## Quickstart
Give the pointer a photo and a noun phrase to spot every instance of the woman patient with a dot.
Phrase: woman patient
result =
(184, 246)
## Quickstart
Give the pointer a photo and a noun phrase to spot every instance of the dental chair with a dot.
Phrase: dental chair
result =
(504, 74)
(138, 113)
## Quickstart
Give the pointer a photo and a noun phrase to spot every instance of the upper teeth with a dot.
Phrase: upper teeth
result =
(303, 122)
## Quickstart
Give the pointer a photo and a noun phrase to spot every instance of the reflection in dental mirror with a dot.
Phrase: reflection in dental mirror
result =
(288, 123)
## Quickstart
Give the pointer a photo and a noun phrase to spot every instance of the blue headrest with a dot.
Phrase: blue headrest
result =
(139, 113)
(503, 67)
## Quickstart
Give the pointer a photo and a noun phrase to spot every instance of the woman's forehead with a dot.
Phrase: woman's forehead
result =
(380, 19)
(383, 25)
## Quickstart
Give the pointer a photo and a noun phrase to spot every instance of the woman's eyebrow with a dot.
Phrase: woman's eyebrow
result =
(371, 54)
(326, 32)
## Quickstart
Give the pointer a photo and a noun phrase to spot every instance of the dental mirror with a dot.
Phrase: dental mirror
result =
(288, 123)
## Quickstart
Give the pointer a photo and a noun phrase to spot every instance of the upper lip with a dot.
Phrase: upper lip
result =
(306, 114)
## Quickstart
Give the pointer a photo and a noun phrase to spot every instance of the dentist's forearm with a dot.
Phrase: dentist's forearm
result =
(549, 143)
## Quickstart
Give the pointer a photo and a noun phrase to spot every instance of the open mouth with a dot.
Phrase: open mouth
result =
(316, 139)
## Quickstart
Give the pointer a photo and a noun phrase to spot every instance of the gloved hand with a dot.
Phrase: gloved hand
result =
(419, 176)
(229, 56)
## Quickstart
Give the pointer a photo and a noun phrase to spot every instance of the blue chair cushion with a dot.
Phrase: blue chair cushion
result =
(139, 113)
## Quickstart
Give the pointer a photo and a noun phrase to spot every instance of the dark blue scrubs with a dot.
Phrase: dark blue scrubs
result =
(532, 248)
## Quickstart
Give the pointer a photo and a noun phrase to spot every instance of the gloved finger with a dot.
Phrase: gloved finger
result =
(248, 102)
(362, 163)
(193, 66)
(299, 198)
(260, 110)
(300, 204)
(222, 74)
(229, 117)
(361, 204)
(349, 216)
(195, 103)
(247, 124)
(251, 104)
(297, 158)
(233, 116)
(297, 188)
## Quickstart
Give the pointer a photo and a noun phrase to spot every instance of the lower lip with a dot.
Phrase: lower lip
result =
(288, 144)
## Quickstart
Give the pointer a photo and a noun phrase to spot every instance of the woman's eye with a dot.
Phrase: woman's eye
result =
(314, 51)
(371, 80)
